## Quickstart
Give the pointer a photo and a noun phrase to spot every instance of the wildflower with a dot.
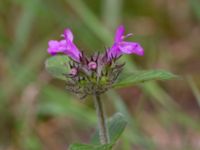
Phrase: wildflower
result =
(65, 46)
(95, 74)
(122, 47)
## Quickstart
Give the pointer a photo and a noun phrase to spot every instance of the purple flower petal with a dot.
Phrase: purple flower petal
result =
(119, 33)
(131, 47)
(72, 51)
(114, 51)
(122, 47)
(56, 46)
(68, 35)
(65, 46)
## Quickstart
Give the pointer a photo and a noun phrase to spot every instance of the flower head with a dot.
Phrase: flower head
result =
(122, 47)
(65, 46)
(91, 75)
(95, 74)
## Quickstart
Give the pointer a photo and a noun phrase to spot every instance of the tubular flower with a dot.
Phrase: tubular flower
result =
(65, 46)
(122, 47)
(95, 74)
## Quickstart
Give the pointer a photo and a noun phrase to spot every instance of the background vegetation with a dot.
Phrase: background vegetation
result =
(37, 113)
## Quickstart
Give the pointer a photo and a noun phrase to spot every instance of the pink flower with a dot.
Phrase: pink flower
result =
(122, 47)
(65, 46)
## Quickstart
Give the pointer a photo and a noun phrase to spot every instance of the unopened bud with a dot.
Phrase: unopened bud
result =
(73, 71)
(92, 65)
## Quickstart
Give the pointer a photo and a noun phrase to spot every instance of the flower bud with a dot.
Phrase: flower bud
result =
(73, 72)
(92, 65)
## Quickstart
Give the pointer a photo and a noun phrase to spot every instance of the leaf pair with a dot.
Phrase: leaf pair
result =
(57, 66)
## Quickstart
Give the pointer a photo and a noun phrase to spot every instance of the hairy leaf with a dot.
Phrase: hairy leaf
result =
(57, 66)
(143, 76)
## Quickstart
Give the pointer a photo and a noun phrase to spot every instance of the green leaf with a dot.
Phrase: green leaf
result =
(143, 76)
(90, 147)
(57, 66)
(116, 126)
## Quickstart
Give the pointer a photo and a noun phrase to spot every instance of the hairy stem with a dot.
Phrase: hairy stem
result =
(103, 131)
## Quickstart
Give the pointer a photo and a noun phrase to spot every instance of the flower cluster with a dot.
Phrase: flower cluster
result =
(95, 74)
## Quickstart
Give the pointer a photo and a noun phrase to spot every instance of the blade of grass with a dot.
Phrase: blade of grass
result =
(111, 12)
(195, 5)
(90, 20)
(194, 88)
(23, 28)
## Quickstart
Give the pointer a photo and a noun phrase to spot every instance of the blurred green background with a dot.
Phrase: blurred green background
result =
(37, 113)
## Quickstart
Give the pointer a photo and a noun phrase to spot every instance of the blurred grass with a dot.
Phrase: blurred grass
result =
(195, 4)
(26, 27)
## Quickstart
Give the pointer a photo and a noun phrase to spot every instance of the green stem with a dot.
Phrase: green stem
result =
(103, 131)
